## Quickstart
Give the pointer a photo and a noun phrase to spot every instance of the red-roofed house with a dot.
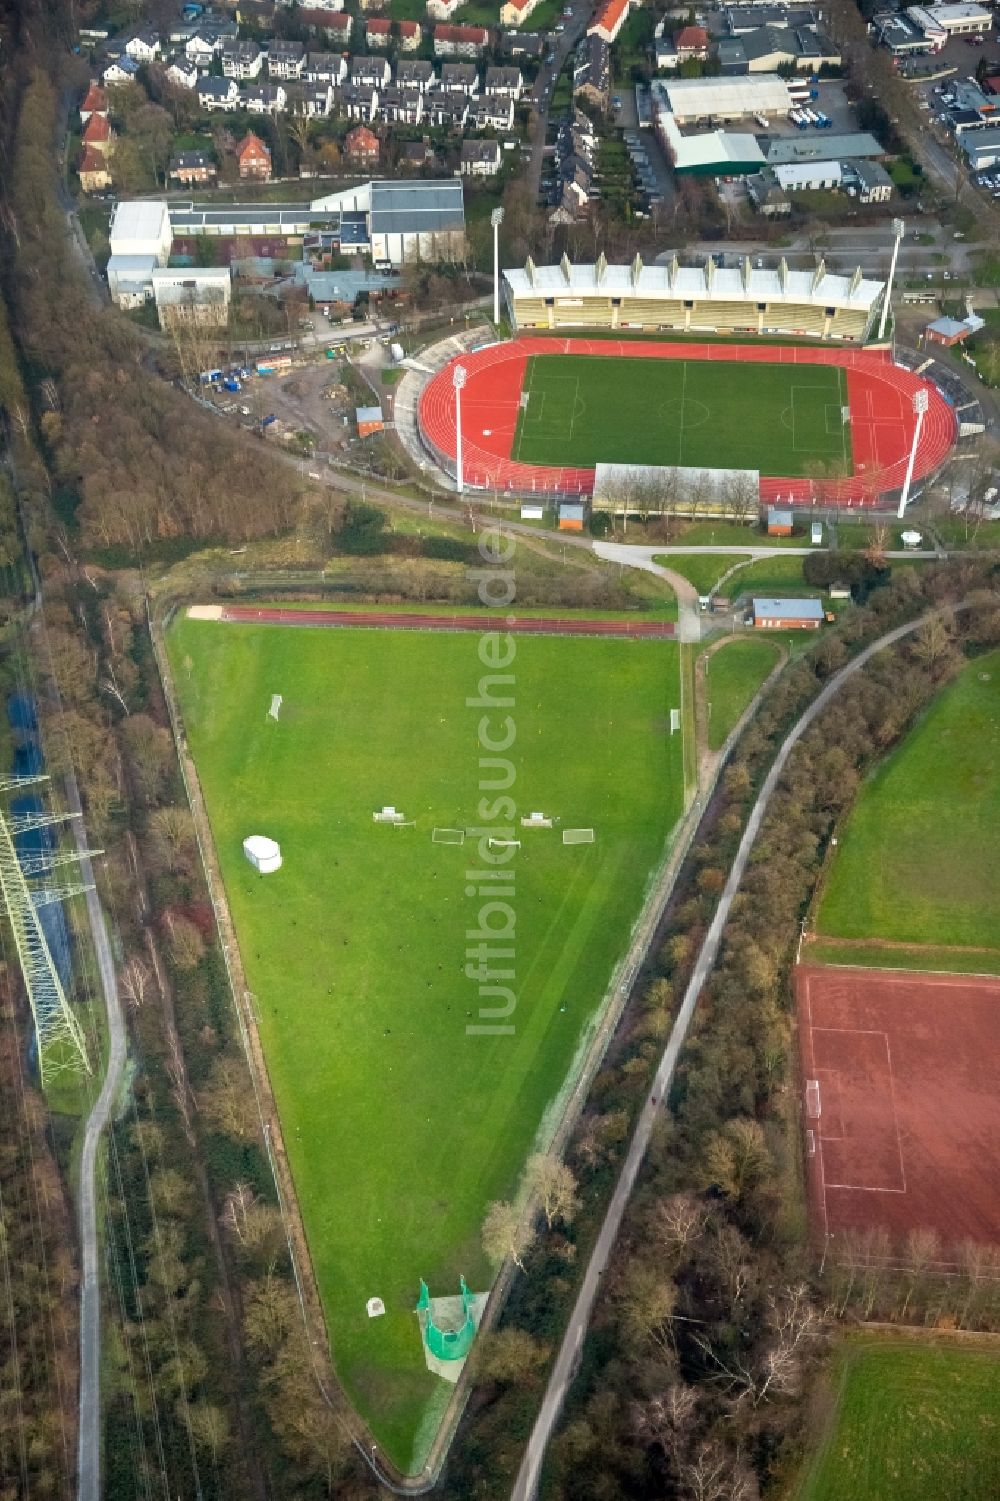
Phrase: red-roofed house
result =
(609, 20)
(253, 158)
(97, 134)
(96, 103)
(335, 25)
(409, 36)
(691, 41)
(378, 31)
(362, 145)
(991, 85)
(461, 41)
(93, 170)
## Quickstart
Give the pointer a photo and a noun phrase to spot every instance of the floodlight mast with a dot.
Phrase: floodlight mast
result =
(921, 402)
(496, 219)
(458, 378)
(898, 229)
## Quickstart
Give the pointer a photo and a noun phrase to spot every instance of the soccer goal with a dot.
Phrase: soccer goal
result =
(578, 836)
(812, 1099)
(448, 836)
(504, 844)
(275, 709)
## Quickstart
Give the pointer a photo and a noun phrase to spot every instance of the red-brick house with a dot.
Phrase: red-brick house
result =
(98, 135)
(362, 146)
(253, 158)
(96, 103)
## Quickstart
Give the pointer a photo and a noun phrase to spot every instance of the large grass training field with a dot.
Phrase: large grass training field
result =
(914, 1421)
(400, 1127)
(581, 410)
(919, 858)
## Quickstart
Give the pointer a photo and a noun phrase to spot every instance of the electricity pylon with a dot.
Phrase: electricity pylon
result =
(61, 1043)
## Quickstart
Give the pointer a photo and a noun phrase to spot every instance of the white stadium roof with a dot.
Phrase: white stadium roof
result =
(669, 282)
(140, 221)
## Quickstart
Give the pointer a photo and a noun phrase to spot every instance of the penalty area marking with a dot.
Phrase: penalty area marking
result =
(578, 836)
(448, 836)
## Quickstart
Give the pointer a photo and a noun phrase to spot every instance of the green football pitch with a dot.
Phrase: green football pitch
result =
(914, 1421)
(918, 860)
(401, 1126)
(582, 410)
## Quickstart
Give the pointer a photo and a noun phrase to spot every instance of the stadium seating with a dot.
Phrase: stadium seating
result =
(724, 315)
(651, 313)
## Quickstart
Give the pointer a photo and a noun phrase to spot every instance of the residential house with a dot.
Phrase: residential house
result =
(480, 158)
(182, 72)
(98, 135)
(460, 41)
(691, 42)
(369, 7)
(263, 98)
(369, 73)
(445, 109)
(378, 32)
(504, 83)
(767, 195)
(401, 106)
(202, 46)
(592, 71)
(529, 44)
(609, 20)
(323, 5)
(416, 155)
(460, 78)
(442, 10)
(362, 146)
(218, 93)
(143, 44)
(241, 59)
(95, 103)
(410, 34)
(868, 181)
(325, 67)
(188, 168)
(120, 71)
(93, 170)
(253, 158)
(334, 25)
(491, 114)
(285, 59)
(516, 12)
(415, 73)
(313, 100)
(355, 102)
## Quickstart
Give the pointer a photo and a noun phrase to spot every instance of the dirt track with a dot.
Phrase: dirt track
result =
(400, 621)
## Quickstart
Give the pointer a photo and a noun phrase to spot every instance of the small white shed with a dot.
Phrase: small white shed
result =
(264, 854)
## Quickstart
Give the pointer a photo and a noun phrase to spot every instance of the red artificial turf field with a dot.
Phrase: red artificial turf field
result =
(880, 395)
(900, 1109)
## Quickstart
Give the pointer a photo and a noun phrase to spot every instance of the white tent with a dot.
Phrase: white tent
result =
(263, 853)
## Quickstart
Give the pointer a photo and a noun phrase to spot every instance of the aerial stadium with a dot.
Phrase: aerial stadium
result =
(765, 373)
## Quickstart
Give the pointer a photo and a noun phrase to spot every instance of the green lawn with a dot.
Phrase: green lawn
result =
(732, 534)
(588, 409)
(919, 859)
(957, 961)
(400, 1125)
(769, 576)
(734, 673)
(914, 1421)
(968, 535)
(699, 568)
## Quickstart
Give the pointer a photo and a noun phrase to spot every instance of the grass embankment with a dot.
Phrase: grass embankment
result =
(733, 675)
(400, 1125)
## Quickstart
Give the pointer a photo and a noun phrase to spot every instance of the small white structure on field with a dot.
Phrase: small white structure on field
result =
(389, 815)
(536, 821)
(264, 854)
(275, 709)
(911, 539)
(375, 1308)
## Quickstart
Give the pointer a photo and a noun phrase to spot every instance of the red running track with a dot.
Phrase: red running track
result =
(880, 395)
(525, 625)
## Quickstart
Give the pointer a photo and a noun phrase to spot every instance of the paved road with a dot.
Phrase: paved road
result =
(541, 93)
(564, 1370)
(89, 1438)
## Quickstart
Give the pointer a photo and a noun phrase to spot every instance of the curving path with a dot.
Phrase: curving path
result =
(564, 1370)
(880, 394)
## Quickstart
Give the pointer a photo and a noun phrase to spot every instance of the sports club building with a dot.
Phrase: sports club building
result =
(743, 299)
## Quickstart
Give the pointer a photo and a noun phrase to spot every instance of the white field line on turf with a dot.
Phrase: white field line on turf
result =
(825, 1136)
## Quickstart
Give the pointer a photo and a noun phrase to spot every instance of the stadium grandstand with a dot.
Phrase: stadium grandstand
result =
(741, 299)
